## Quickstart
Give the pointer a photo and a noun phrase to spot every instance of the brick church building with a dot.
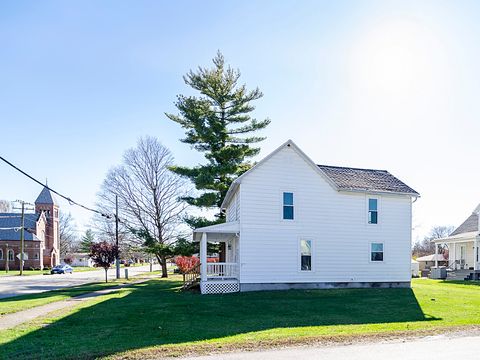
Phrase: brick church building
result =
(41, 235)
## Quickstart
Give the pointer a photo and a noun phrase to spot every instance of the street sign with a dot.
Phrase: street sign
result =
(25, 256)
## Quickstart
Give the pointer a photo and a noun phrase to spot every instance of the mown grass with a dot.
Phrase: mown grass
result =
(157, 318)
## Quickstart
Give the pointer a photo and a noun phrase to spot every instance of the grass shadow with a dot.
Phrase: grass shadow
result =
(157, 313)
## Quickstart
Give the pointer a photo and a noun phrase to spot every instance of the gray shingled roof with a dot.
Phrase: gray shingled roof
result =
(14, 220)
(46, 197)
(346, 178)
(469, 225)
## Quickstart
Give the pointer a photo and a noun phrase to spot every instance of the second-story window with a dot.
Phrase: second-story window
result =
(373, 211)
(288, 210)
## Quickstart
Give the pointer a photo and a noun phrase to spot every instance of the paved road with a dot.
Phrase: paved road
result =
(17, 285)
(446, 347)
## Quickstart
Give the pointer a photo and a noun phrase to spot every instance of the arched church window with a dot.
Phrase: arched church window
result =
(11, 255)
(1, 254)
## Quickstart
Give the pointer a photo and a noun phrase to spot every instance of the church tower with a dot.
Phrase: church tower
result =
(47, 203)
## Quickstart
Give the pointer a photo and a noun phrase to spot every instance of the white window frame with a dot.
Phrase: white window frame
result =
(370, 252)
(13, 256)
(295, 203)
(367, 212)
(299, 254)
(1, 254)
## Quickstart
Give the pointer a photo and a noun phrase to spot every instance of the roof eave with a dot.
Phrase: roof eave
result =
(380, 192)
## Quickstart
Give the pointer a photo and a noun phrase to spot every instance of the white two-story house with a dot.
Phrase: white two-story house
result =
(291, 223)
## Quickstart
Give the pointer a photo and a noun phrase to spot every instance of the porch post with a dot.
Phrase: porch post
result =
(203, 257)
(454, 256)
(436, 255)
(475, 249)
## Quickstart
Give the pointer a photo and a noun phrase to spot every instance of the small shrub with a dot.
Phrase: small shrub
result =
(186, 263)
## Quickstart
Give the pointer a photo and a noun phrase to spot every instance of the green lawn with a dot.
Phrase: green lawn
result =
(160, 319)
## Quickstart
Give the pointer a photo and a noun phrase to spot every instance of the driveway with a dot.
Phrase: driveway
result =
(19, 285)
(458, 346)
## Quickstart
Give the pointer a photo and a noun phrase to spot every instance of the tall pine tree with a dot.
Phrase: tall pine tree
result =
(217, 123)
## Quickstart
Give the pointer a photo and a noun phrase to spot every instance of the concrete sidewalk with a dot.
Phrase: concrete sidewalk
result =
(11, 320)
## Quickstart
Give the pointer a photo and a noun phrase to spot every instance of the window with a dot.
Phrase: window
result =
(37, 256)
(305, 255)
(1, 254)
(11, 255)
(373, 211)
(288, 206)
(376, 252)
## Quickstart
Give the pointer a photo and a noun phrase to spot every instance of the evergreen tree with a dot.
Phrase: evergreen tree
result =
(218, 124)
(87, 241)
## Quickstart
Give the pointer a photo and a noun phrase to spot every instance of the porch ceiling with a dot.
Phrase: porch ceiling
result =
(219, 232)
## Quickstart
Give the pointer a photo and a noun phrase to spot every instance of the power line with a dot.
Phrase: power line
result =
(70, 201)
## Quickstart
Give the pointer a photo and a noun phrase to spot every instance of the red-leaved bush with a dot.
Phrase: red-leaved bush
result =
(185, 263)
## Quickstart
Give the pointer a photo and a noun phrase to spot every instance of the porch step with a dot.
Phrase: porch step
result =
(460, 275)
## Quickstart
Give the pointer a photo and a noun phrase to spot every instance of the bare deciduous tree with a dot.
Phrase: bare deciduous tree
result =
(426, 246)
(67, 233)
(148, 196)
(5, 206)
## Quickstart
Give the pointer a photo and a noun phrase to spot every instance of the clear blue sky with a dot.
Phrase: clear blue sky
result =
(382, 84)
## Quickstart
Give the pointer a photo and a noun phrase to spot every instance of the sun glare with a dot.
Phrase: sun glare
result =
(396, 58)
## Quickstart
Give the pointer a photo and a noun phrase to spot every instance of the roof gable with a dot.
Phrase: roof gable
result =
(469, 225)
(340, 178)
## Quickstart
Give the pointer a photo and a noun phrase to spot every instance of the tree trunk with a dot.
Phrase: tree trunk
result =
(106, 277)
(164, 267)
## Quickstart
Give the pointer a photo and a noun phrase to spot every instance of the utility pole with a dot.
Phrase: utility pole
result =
(117, 260)
(22, 234)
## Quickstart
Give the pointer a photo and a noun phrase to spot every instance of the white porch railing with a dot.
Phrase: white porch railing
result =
(222, 270)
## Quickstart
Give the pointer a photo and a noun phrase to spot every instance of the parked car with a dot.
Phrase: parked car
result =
(62, 269)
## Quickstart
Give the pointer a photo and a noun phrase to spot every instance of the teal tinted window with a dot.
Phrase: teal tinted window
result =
(305, 255)
(288, 211)
(372, 211)
(288, 198)
(376, 253)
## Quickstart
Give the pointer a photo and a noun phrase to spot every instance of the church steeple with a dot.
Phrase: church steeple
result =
(46, 197)
(47, 204)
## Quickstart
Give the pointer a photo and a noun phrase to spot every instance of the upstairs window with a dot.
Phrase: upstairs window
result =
(376, 252)
(373, 211)
(305, 255)
(288, 212)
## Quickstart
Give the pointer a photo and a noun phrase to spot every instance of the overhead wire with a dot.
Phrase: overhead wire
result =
(70, 200)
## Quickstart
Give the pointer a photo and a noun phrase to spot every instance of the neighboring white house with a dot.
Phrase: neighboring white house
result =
(293, 224)
(463, 248)
(81, 259)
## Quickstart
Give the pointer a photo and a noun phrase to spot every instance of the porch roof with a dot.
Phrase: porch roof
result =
(217, 232)
(468, 236)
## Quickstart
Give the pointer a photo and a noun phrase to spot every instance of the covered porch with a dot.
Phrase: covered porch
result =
(222, 276)
(463, 253)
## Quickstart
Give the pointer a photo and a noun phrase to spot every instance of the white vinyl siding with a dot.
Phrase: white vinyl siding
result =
(233, 208)
(336, 220)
